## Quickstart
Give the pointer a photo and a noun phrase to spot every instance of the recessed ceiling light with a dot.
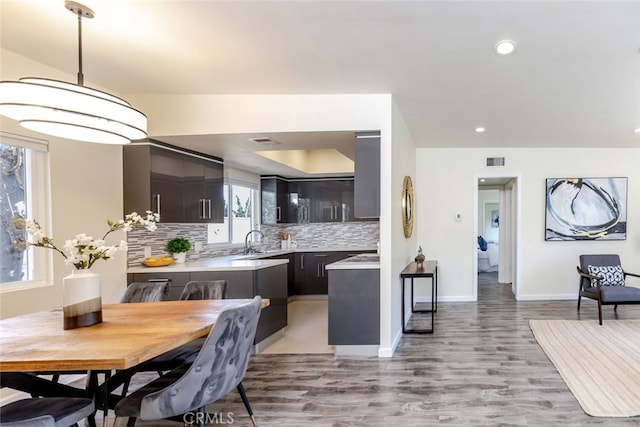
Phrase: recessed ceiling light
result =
(480, 129)
(482, 180)
(637, 130)
(505, 47)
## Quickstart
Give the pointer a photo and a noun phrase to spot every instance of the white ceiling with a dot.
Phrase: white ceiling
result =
(574, 80)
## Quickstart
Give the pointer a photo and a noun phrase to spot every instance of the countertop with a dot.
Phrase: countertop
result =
(227, 263)
(241, 262)
(358, 262)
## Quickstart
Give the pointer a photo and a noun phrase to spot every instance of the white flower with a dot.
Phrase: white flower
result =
(82, 251)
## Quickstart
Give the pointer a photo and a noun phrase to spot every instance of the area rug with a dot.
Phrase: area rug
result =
(600, 364)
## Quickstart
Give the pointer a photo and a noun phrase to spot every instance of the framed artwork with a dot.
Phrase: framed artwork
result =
(495, 219)
(586, 209)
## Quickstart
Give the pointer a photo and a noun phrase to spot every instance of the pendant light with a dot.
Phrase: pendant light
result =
(72, 111)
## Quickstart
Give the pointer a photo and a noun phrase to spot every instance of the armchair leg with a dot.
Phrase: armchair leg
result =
(600, 312)
(615, 308)
(245, 400)
(579, 298)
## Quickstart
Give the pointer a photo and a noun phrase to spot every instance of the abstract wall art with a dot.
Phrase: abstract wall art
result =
(586, 209)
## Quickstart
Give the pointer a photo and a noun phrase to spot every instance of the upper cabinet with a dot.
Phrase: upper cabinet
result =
(182, 186)
(367, 175)
(306, 200)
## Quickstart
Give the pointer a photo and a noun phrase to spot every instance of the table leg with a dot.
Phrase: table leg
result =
(413, 310)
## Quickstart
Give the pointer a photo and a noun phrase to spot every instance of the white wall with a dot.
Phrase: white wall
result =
(86, 190)
(396, 250)
(547, 270)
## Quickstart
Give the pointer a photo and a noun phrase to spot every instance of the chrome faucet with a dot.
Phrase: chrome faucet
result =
(248, 249)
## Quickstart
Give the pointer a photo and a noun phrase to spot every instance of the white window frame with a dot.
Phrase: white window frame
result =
(40, 261)
(228, 182)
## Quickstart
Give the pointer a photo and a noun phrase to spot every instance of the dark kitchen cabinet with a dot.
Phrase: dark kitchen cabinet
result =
(310, 276)
(183, 187)
(276, 204)
(354, 307)
(203, 191)
(306, 200)
(290, 270)
(268, 282)
(367, 176)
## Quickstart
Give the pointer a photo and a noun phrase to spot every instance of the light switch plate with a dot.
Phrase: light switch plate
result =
(198, 246)
(147, 251)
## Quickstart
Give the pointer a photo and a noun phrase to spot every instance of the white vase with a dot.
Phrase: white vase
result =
(81, 299)
(180, 257)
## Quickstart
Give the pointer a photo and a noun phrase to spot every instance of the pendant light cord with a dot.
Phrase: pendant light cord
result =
(80, 75)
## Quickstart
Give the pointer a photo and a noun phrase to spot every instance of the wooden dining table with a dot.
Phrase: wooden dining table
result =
(129, 335)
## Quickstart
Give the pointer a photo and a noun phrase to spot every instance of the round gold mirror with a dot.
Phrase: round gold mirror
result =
(407, 206)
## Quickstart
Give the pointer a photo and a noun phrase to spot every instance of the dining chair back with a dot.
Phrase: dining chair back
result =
(146, 292)
(219, 367)
(46, 412)
(204, 289)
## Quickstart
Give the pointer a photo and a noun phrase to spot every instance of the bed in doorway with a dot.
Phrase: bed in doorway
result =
(488, 259)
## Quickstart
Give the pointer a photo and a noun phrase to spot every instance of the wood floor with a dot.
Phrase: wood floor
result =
(481, 367)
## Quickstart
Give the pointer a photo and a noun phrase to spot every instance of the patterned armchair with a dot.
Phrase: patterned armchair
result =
(602, 278)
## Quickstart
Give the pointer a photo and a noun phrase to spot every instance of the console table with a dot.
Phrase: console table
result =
(428, 269)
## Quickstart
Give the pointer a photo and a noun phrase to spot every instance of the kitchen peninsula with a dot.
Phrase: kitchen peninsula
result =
(354, 305)
(246, 278)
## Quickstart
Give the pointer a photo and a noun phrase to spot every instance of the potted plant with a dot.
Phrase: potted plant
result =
(178, 247)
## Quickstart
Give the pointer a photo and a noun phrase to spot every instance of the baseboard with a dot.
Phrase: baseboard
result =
(386, 352)
(465, 298)
(356, 350)
(259, 347)
(548, 297)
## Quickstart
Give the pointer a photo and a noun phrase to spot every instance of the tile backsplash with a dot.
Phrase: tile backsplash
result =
(307, 236)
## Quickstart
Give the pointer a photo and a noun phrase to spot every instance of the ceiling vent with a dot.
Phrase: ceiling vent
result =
(495, 161)
(264, 140)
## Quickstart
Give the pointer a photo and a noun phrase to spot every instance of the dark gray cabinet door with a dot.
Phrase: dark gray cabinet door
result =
(367, 178)
(181, 187)
(167, 185)
(203, 194)
(310, 270)
(354, 307)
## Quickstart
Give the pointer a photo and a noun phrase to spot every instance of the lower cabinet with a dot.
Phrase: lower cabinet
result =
(310, 275)
(268, 282)
(354, 307)
(291, 271)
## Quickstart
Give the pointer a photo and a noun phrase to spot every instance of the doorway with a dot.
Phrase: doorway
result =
(496, 231)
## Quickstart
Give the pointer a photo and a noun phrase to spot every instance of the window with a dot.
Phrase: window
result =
(23, 178)
(239, 206)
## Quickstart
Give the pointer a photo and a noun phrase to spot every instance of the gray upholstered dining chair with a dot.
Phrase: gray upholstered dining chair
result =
(602, 278)
(219, 367)
(46, 412)
(146, 292)
(193, 290)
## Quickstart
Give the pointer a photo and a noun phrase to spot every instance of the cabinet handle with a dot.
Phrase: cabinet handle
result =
(301, 262)
(318, 270)
(157, 197)
(323, 269)
(159, 280)
(201, 214)
(209, 205)
(278, 217)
